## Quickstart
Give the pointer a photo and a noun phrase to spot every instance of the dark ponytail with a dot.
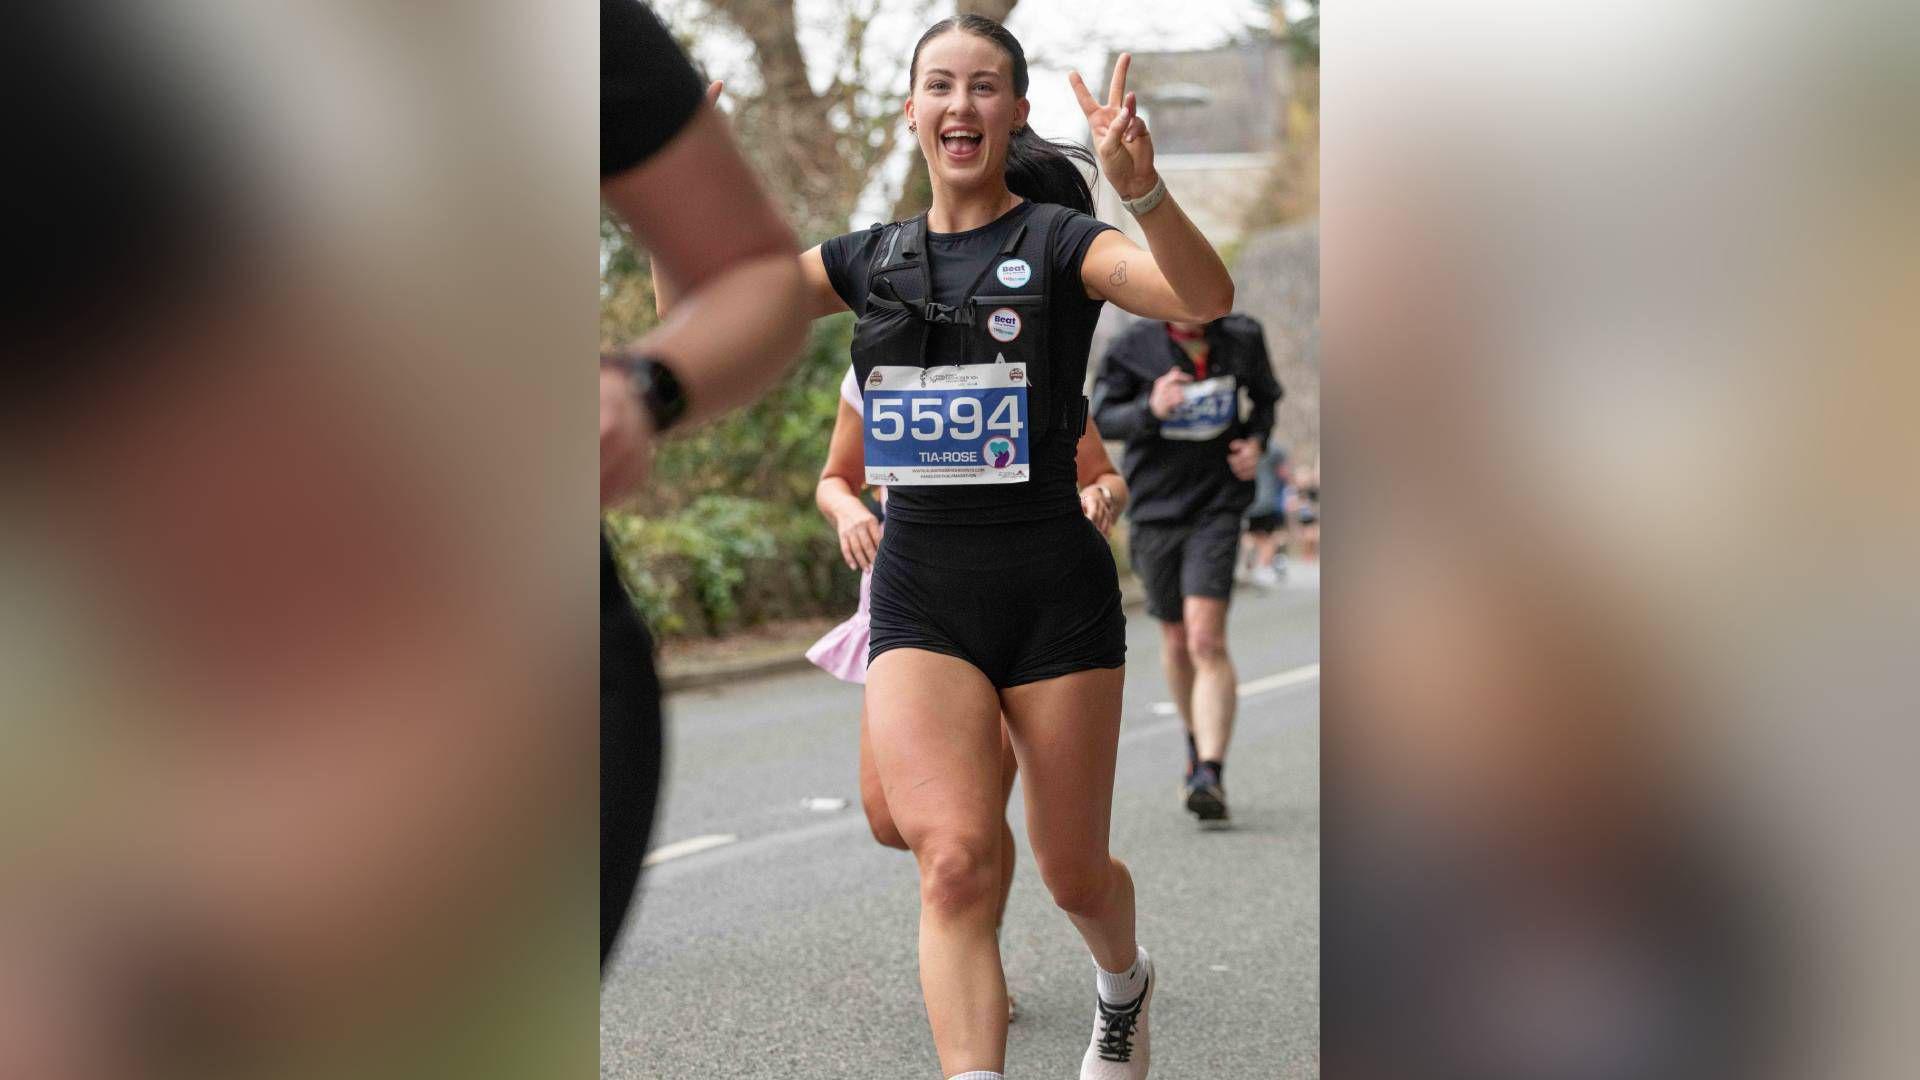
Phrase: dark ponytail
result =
(1037, 169)
(1044, 171)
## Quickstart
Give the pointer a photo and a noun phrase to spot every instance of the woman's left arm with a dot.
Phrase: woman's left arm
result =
(1103, 493)
(1178, 276)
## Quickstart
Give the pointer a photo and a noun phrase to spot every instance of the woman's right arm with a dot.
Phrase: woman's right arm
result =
(837, 494)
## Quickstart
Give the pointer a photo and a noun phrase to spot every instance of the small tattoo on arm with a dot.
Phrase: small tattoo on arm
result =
(1119, 275)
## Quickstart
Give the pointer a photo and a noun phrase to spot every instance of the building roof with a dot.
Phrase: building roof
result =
(1229, 100)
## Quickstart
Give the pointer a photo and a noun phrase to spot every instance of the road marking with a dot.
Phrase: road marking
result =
(680, 848)
(832, 826)
(1258, 686)
(1286, 678)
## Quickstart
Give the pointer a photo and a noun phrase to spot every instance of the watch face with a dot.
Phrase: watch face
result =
(661, 391)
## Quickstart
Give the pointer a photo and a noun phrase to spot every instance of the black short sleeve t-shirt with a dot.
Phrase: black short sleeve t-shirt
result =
(956, 260)
(648, 89)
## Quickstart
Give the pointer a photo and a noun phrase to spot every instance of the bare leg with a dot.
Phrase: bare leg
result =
(1268, 548)
(1178, 664)
(1215, 684)
(1009, 769)
(1066, 732)
(935, 728)
(873, 800)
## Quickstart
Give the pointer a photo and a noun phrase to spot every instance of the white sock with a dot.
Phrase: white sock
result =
(1118, 988)
(978, 1074)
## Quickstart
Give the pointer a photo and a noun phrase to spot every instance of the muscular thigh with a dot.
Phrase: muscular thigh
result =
(1066, 734)
(934, 722)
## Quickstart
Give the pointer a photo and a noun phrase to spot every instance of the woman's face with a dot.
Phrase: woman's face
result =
(964, 103)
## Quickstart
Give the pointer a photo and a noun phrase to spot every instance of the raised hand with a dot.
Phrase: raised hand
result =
(1169, 393)
(1120, 137)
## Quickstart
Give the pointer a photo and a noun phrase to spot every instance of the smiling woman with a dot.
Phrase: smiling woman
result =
(974, 325)
(999, 285)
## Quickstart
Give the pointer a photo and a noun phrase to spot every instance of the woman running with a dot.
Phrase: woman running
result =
(992, 594)
(842, 651)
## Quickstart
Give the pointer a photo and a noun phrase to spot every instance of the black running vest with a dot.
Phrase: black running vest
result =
(894, 329)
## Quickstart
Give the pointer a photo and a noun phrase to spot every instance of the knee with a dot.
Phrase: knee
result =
(880, 818)
(1206, 644)
(958, 876)
(1173, 636)
(1080, 888)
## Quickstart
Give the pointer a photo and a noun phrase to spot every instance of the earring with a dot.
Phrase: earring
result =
(913, 126)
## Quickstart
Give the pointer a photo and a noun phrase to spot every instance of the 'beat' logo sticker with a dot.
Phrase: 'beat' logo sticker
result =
(1014, 273)
(1004, 324)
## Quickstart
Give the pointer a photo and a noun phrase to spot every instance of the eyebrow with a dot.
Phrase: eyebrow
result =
(975, 75)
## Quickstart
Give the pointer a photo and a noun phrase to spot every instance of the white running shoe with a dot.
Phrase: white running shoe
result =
(1119, 1050)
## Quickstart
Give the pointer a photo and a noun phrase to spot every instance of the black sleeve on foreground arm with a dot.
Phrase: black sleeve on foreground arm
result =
(648, 87)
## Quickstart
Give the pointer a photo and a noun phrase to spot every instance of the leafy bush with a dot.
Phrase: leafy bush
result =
(726, 562)
(727, 536)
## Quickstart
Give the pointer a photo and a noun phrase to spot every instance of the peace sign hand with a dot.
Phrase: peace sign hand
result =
(1119, 135)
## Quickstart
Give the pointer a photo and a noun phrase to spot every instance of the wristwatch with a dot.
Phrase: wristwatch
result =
(1146, 203)
(654, 385)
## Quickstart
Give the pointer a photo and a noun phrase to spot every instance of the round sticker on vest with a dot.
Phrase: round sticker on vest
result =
(1004, 324)
(1014, 273)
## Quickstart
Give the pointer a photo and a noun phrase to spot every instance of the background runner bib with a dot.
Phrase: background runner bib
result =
(957, 424)
(1209, 407)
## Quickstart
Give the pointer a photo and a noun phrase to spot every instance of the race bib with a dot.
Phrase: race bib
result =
(960, 424)
(1210, 407)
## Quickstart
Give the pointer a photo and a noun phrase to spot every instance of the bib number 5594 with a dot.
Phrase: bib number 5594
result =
(960, 418)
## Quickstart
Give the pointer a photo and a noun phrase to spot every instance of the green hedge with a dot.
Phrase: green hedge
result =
(727, 562)
(728, 536)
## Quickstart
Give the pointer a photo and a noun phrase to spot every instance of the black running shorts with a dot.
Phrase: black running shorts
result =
(1178, 559)
(1023, 602)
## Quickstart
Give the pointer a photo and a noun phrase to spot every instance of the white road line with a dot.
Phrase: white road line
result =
(849, 823)
(687, 847)
(1258, 686)
(1286, 678)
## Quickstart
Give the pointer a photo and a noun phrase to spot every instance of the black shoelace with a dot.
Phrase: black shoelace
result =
(1117, 1024)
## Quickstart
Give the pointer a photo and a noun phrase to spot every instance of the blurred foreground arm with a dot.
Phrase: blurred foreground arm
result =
(737, 322)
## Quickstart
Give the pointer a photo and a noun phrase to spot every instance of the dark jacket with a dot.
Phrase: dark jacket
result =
(1172, 474)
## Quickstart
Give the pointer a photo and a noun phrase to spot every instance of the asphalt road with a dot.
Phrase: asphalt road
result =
(776, 940)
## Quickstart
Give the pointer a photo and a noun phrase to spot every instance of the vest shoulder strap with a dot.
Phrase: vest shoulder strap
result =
(904, 243)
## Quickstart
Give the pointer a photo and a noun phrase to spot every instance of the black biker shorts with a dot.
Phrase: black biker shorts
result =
(1022, 602)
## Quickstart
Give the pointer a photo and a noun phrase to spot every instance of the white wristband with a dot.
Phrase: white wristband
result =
(1146, 203)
